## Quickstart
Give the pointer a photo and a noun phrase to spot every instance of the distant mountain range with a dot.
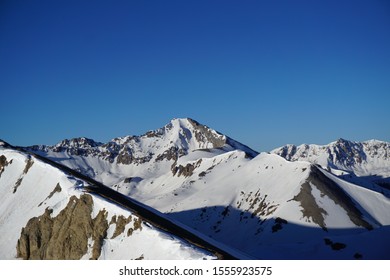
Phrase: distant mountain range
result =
(363, 163)
(296, 202)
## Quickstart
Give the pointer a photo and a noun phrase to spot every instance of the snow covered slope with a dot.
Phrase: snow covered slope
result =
(362, 163)
(148, 155)
(260, 204)
(268, 207)
(44, 214)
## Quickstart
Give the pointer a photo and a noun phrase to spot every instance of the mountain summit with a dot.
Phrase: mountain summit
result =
(178, 138)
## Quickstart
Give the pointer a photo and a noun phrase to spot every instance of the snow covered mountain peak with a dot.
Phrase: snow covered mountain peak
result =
(189, 134)
(365, 163)
(176, 139)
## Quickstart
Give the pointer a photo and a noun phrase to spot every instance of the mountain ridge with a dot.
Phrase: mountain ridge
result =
(266, 205)
(366, 163)
(181, 137)
(74, 212)
(341, 152)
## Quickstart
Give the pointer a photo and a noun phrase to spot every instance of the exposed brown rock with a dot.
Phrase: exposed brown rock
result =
(140, 258)
(203, 134)
(125, 156)
(99, 233)
(336, 193)
(121, 223)
(137, 225)
(310, 208)
(187, 170)
(171, 154)
(259, 205)
(3, 163)
(29, 163)
(56, 189)
(66, 235)
(17, 184)
(328, 188)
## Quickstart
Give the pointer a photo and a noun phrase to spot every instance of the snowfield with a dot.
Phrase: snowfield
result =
(35, 194)
(305, 202)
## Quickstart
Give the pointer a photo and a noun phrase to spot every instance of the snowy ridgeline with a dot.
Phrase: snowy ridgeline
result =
(323, 202)
(44, 214)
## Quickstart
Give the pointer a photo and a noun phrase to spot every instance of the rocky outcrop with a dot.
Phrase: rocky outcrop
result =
(171, 154)
(342, 153)
(55, 190)
(258, 205)
(120, 223)
(310, 208)
(29, 163)
(186, 170)
(205, 135)
(125, 156)
(3, 164)
(65, 236)
(334, 192)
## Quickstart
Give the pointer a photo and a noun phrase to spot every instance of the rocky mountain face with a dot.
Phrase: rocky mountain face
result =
(359, 162)
(65, 236)
(176, 139)
(342, 154)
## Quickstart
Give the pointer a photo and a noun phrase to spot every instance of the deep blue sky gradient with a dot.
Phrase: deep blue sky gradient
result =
(266, 73)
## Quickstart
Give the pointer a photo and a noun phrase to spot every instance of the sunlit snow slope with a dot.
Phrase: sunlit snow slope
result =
(260, 204)
(44, 214)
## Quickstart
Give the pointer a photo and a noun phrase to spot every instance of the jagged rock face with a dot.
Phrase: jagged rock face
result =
(186, 170)
(65, 236)
(346, 152)
(377, 149)
(77, 146)
(204, 134)
(121, 223)
(174, 140)
(125, 157)
(340, 154)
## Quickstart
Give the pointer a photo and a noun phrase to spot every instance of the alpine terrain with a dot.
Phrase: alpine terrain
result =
(363, 163)
(188, 191)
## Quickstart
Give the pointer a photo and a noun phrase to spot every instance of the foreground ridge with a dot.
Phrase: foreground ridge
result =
(147, 214)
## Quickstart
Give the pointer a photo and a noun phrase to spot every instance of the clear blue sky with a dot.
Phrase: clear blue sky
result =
(266, 73)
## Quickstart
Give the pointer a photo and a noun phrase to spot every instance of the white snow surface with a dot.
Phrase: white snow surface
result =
(32, 198)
